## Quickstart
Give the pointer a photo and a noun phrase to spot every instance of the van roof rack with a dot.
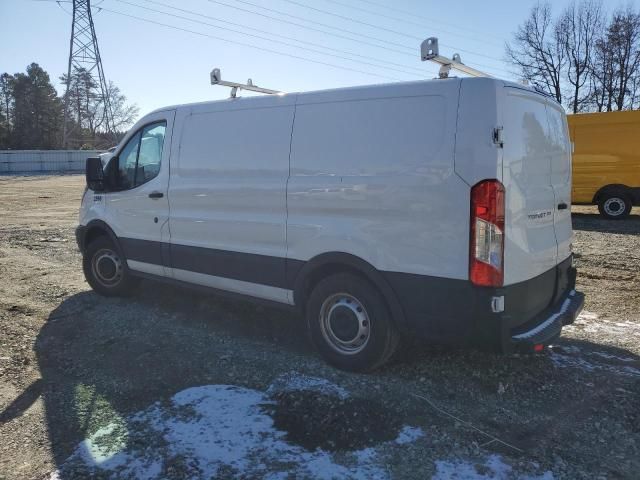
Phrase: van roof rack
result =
(429, 51)
(216, 79)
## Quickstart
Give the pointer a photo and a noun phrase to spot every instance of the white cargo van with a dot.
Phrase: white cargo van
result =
(438, 208)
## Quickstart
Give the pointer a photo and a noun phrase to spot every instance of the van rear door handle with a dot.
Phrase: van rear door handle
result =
(156, 195)
(562, 206)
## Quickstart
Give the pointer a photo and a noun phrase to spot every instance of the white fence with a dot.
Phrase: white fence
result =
(42, 161)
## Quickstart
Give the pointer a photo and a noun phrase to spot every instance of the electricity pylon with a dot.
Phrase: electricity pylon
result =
(84, 55)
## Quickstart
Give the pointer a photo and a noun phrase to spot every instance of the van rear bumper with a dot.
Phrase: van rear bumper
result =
(456, 312)
(547, 326)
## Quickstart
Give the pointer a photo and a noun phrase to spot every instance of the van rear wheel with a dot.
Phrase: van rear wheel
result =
(105, 269)
(350, 324)
(614, 206)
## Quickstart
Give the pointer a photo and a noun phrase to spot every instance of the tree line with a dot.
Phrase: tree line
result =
(588, 59)
(32, 113)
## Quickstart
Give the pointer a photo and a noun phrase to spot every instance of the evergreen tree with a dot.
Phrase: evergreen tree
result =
(37, 110)
(32, 114)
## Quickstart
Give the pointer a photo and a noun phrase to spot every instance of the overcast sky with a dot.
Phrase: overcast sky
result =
(156, 65)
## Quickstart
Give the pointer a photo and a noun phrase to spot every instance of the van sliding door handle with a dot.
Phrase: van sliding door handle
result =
(156, 195)
(562, 206)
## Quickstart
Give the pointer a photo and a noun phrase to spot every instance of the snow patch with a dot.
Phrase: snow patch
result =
(594, 360)
(562, 360)
(366, 454)
(219, 431)
(291, 382)
(103, 445)
(493, 468)
(408, 435)
(590, 322)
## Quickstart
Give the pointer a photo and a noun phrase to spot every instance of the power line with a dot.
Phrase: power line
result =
(413, 15)
(405, 12)
(243, 33)
(249, 45)
(59, 2)
(382, 62)
(406, 47)
(380, 27)
(350, 19)
(397, 19)
(270, 17)
(325, 25)
(420, 72)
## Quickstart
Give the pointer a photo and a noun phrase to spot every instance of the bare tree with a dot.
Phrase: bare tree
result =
(624, 38)
(616, 65)
(579, 28)
(124, 115)
(539, 51)
(88, 111)
(602, 76)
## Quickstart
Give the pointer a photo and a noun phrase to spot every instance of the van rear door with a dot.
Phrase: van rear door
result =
(560, 150)
(531, 246)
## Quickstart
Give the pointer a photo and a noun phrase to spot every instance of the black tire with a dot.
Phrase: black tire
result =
(337, 326)
(105, 269)
(614, 205)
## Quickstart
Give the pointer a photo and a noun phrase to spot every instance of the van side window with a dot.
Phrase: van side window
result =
(139, 160)
(127, 163)
(150, 153)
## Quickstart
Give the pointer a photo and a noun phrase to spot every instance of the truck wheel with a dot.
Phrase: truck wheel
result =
(350, 324)
(614, 206)
(105, 269)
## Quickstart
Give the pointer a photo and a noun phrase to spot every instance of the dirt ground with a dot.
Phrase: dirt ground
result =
(143, 371)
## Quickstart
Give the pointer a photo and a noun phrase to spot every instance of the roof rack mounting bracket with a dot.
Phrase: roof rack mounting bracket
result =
(216, 79)
(429, 50)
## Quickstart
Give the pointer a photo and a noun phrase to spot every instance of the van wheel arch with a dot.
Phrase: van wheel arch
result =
(615, 188)
(96, 229)
(328, 264)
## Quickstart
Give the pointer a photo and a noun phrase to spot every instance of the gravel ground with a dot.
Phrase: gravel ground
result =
(151, 380)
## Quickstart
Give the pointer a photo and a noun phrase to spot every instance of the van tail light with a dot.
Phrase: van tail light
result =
(486, 255)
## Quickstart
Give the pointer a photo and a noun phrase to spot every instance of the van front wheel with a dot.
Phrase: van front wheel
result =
(105, 269)
(614, 206)
(350, 324)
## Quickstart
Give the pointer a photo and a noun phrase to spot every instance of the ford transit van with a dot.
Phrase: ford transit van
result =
(434, 208)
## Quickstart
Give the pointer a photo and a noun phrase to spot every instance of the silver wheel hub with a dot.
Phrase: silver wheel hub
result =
(345, 324)
(614, 206)
(107, 267)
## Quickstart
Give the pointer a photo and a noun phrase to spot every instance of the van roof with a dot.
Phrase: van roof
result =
(266, 100)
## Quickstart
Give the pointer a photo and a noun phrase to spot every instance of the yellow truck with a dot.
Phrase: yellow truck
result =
(606, 161)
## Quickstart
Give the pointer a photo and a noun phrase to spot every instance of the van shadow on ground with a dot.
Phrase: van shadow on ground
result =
(103, 359)
(109, 357)
(595, 223)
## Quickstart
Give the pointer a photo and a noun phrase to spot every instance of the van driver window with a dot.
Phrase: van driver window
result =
(139, 160)
(150, 153)
(127, 163)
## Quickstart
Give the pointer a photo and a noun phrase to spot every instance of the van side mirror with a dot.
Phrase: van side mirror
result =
(95, 174)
